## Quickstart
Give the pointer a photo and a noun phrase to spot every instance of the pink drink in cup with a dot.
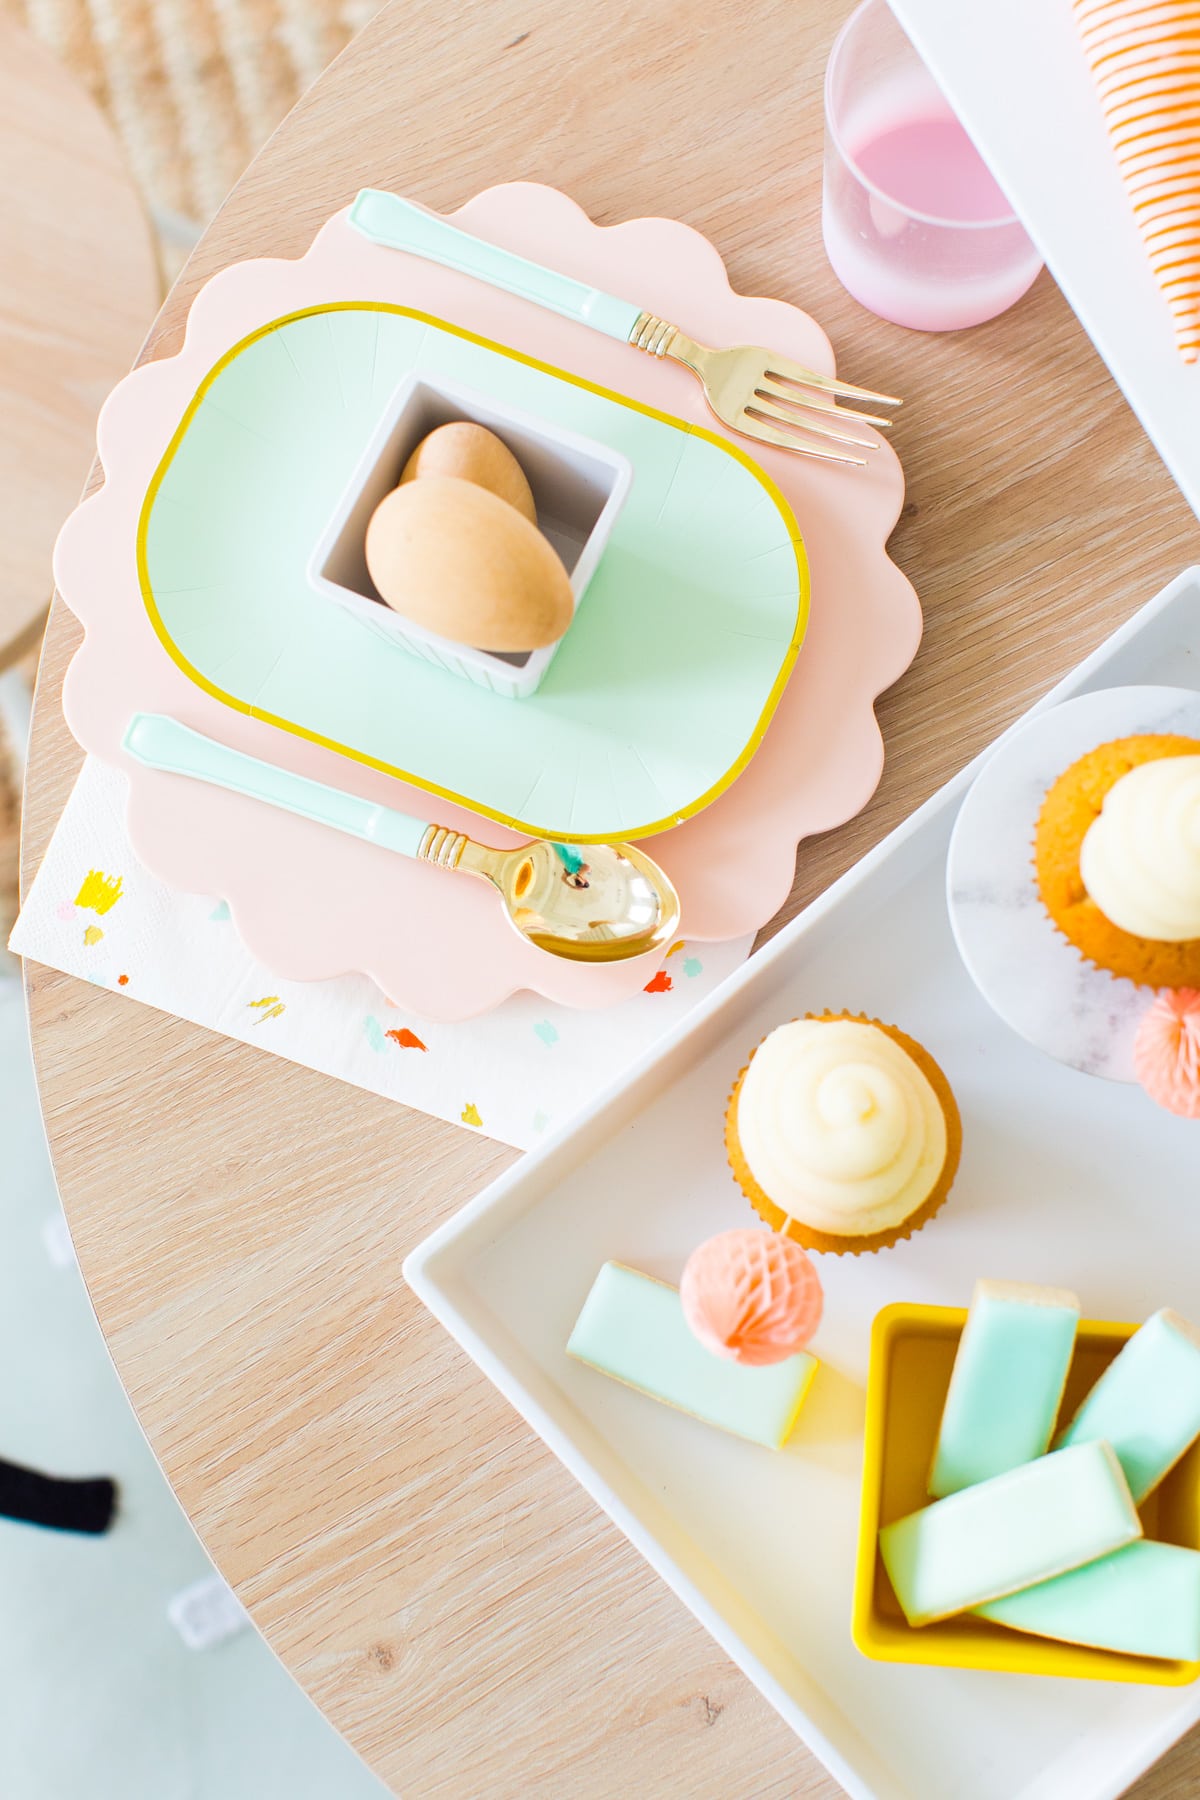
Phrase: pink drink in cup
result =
(914, 224)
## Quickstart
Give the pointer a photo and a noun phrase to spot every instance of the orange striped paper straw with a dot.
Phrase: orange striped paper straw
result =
(1145, 61)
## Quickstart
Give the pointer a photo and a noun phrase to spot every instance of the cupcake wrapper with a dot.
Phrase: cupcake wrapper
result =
(836, 1245)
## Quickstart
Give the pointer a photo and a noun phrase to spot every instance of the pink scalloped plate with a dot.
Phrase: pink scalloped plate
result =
(311, 904)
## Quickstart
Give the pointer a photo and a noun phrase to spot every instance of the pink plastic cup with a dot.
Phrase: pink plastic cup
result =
(914, 224)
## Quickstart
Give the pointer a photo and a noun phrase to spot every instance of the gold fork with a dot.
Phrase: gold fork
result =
(750, 390)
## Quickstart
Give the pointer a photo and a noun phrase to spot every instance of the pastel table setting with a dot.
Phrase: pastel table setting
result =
(731, 862)
(437, 949)
(282, 1035)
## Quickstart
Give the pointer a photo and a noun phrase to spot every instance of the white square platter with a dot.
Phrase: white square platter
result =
(1065, 1179)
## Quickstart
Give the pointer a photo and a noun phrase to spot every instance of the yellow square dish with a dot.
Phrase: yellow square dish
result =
(912, 1354)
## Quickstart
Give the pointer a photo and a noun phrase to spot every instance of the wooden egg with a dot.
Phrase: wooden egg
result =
(454, 558)
(473, 453)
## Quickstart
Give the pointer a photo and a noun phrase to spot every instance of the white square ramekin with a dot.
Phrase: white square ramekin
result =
(579, 487)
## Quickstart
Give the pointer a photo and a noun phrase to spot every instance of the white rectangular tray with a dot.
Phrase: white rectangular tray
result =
(1065, 1179)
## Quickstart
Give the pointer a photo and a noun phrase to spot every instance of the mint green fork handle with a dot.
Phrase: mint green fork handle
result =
(400, 225)
(163, 743)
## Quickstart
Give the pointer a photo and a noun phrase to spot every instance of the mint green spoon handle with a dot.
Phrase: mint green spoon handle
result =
(163, 743)
(400, 225)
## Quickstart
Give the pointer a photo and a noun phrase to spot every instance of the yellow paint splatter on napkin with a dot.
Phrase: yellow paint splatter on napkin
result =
(92, 935)
(470, 1114)
(99, 892)
(272, 1008)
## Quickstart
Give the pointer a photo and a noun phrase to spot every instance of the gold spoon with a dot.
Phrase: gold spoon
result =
(585, 902)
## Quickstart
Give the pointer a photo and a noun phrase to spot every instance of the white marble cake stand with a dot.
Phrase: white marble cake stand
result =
(1033, 978)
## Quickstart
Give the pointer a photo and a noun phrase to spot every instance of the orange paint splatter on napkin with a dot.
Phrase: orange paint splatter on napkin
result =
(661, 984)
(407, 1040)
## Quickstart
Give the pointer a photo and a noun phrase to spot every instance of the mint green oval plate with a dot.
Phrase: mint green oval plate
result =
(666, 681)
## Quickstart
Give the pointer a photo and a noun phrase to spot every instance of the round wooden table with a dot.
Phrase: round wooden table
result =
(443, 1589)
(78, 287)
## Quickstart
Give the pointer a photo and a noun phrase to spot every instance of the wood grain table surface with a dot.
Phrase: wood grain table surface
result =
(453, 1601)
(79, 286)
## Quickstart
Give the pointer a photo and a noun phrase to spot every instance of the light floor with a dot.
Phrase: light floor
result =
(99, 1698)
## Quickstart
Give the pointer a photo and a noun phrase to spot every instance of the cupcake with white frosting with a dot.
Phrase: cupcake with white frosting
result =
(843, 1133)
(1117, 855)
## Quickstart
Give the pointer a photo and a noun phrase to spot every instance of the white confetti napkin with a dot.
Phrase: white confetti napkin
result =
(94, 912)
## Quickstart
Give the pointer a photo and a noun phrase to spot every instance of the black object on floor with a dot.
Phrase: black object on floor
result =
(57, 1501)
